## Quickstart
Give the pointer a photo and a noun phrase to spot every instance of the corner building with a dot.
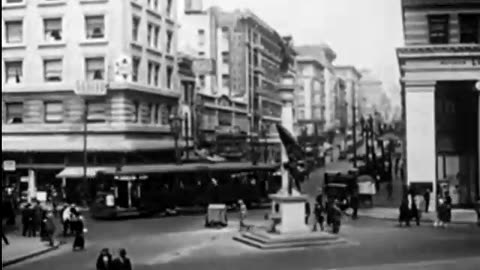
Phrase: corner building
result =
(48, 47)
(440, 72)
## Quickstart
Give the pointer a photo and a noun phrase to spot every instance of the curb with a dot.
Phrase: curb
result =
(421, 220)
(30, 255)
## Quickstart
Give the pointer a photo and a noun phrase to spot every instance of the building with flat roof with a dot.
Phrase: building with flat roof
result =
(440, 67)
(51, 49)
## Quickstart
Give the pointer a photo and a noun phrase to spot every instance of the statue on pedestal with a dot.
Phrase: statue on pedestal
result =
(297, 166)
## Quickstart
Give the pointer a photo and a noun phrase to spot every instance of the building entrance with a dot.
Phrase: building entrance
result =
(457, 141)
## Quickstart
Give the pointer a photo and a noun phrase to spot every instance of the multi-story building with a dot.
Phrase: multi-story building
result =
(351, 77)
(238, 91)
(440, 67)
(310, 95)
(51, 49)
(325, 56)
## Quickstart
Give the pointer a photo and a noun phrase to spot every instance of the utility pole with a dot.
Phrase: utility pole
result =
(354, 132)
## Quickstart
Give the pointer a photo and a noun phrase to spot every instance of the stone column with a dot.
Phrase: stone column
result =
(32, 186)
(477, 86)
(421, 157)
(287, 122)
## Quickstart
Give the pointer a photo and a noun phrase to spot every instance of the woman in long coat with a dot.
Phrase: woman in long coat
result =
(78, 226)
(404, 213)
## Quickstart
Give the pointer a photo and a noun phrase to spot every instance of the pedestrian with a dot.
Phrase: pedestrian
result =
(27, 220)
(404, 215)
(78, 228)
(354, 203)
(319, 219)
(243, 214)
(337, 217)
(66, 217)
(50, 228)
(426, 198)
(122, 262)
(43, 225)
(4, 237)
(307, 212)
(104, 260)
(441, 214)
(37, 218)
(414, 210)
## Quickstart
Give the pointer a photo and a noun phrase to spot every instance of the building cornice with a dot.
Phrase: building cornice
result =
(429, 51)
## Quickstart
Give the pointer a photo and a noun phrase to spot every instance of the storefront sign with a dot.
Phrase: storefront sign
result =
(130, 177)
(9, 165)
(110, 200)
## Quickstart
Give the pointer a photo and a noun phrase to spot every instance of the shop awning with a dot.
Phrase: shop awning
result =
(74, 143)
(194, 167)
(77, 172)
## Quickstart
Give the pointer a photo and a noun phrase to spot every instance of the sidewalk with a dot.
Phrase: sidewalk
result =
(459, 216)
(23, 248)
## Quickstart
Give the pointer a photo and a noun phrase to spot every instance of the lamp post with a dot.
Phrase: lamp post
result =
(176, 127)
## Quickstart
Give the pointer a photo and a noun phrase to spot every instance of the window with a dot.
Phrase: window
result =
(149, 72)
(301, 114)
(225, 31)
(156, 74)
(156, 34)
(136, 112)
(438, 29)
(52, 29)
(95, 68)
(95, 27)
(201, 37)
(201, 78)
(52, 69)
(164, 114)
(169, 77)
(14, 72)
(53, 112)
(225, 57)
(169, 8)
(14, 32)
(201, 54)
(149, 34)
(469, 28)
(153, 4)
(135, 25)
(135, 67)
(154, 113)
(225, 80)
(169, 41)
(96, 112)
(14, 112)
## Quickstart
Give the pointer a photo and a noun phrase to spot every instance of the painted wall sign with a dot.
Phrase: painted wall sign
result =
(238, 65)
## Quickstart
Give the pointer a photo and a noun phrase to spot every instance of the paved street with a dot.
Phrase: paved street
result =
(183, 243)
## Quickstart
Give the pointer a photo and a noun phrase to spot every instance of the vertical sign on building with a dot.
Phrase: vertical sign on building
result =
(238, 65)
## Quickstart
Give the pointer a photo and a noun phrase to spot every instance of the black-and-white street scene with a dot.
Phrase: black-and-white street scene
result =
(240, 134)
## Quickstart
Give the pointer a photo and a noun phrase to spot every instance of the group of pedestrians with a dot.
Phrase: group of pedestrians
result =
(38, 220)
(74, 224)
(105, 260)
(330, 210)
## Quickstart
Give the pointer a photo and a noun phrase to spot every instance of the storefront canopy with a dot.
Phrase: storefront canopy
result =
(194, 167)
(77, 172)
(95, 143)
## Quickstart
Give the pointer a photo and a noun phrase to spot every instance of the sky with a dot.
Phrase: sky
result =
(363, 33)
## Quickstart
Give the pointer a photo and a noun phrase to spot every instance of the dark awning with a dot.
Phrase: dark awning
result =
(194, 167)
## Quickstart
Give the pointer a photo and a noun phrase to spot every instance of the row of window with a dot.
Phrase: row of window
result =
(153, 35)
(53, 70)
(439, 28)
(154, 5)
(96, 112)
(202, 36)
(53, 29)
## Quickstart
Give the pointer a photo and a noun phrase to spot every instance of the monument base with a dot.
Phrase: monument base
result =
(290, 230)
